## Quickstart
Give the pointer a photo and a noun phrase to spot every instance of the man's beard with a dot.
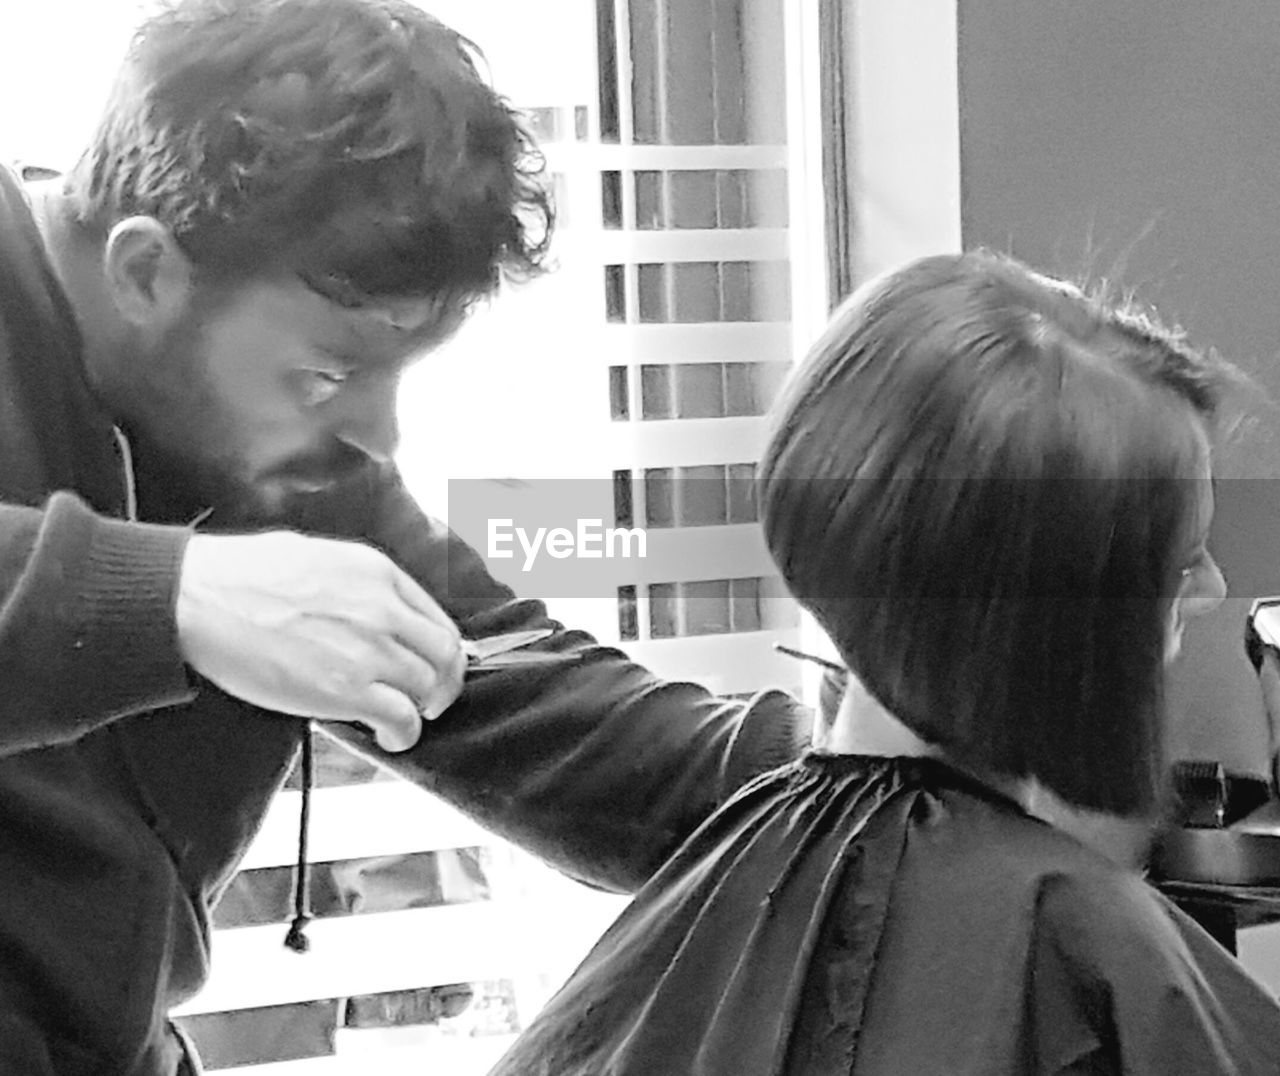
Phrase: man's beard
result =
(180, 487)
(183, 469)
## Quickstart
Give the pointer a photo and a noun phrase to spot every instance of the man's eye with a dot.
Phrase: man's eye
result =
(322, 385)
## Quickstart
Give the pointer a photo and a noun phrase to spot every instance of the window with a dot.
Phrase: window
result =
(702, 198)
(718, 607)
(709, 495)
(685, 292)
(557, 125)
(697, 390)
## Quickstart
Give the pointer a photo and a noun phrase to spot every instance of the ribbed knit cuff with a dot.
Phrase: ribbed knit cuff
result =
(87, 626)
(130, 585)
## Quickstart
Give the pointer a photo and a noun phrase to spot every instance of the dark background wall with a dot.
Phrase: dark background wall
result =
(1141, 139)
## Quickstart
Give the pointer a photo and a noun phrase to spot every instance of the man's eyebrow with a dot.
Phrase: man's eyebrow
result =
(342, 355)
(358, 354)
(355, 359)
(336, 289)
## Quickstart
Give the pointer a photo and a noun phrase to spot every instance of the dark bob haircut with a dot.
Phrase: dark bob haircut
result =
(982, 483)
(351, 141)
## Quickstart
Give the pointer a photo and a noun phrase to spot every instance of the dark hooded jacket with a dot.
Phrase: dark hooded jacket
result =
(129, 788)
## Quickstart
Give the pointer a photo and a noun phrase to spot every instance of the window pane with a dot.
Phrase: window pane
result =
(309, 1029)
(741, 397)
(293, 1032)
(611, 199)
(628, 621)
(696, 292)
(742, 493)
(357, 887)
(769, 377)
(655, 392)
(615, 293)
(705, 607)
(659, 499)
(619, 394)
(623, 503)
(731, 198)
(752, 387)
(778, 609)
(692, 200)
(769, 284)
(735, 292)
(744, 603)
(701, 497)
(663, 612)
(646, 78)
(401, 1008)
(766, 198)
(703, 198)
(699, 390)
(651, 210)
(651, 279)
(699, 93)
(728, 62)
(607, 74)
(689, 102)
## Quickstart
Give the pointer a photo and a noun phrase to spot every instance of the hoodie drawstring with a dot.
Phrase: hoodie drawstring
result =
(130, 483)
(297, 939)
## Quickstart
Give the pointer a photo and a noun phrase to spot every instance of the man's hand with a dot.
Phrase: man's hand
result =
(318, 628)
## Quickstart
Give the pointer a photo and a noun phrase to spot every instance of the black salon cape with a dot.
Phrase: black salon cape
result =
(889, 916)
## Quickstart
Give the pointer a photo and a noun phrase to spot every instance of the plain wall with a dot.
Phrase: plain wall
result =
(1142, 140)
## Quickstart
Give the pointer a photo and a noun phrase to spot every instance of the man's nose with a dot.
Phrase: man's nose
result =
(1209, 592)
(1217, 586)
(371, 426)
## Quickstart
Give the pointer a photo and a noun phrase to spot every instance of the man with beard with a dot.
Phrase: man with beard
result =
(285, 203)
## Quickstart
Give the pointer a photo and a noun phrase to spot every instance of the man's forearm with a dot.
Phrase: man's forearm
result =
(577, 753)
(593, 763)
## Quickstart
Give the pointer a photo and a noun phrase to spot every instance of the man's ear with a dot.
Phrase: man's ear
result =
(147, 275)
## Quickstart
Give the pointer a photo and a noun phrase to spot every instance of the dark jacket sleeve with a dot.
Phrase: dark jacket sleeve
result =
(87, 629)
(577, 753)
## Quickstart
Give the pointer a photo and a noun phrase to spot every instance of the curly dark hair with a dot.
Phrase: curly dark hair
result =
(983, 484)
(353, 141)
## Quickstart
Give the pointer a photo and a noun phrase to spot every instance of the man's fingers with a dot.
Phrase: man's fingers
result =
(429, 632)
(418, 599)
(432, 686)
(394, 717)
(428, 639)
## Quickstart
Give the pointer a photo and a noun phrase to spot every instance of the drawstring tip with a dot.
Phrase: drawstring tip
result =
(297, 939)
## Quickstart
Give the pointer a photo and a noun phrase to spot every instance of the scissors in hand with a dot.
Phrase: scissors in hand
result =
(497, 650)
